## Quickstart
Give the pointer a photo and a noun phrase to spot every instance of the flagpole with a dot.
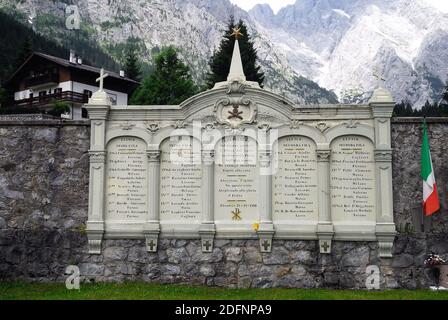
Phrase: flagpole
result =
(422, 209)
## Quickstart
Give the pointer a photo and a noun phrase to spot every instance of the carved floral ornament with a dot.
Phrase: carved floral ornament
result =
(127, 126)
(208, 156)
(153, 155)
(97, 156)
(322, 126)
(179, 124)
(264, 127)
(295, 124)
(323, 155)
(352, 124)
(383, 155)
(152, 127)
(236, 87)
(209, 126)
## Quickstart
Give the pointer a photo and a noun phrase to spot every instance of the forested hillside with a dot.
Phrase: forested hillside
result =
(16, 34)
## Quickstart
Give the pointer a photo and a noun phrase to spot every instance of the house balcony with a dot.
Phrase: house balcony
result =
(42, 80)
(49, 99)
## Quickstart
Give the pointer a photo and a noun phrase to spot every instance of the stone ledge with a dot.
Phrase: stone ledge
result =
(42, 123)
(419, 120)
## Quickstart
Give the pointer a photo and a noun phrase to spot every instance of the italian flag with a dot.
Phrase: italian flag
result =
(430, 198)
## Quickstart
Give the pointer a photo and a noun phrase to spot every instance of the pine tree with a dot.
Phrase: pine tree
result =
(131, 66)
(3, 97)
(220, 61)
(445, 96)
(25, 51)
(170, 83)
(399, 110)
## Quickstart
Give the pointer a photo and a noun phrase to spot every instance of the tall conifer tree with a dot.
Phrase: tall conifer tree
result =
(220, 61)
(132, 66)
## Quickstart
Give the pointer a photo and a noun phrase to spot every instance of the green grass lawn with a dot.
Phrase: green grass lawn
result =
(138, 291)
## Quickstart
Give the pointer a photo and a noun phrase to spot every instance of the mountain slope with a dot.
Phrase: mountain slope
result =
(15, 34)
(337, 44)
(340, 43)
(194, 26)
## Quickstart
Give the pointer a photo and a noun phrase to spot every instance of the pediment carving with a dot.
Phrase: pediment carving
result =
(235, 109)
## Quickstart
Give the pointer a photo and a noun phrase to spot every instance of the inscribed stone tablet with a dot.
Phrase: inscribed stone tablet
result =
(127, 179)
(180, 180)
(236, 180)
(295, 179)
(352, 179)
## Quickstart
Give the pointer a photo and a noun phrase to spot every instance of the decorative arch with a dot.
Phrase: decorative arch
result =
(135, 132)
(303, 130)
(344, 130)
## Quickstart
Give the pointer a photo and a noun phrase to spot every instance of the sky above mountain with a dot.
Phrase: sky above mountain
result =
(276, 5)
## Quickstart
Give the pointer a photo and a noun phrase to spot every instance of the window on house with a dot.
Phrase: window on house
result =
(88, 93)
(42, 95)
(84, 113)
(113, 97)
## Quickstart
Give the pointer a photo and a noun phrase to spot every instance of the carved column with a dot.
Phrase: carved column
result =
(95, 223)
(98, 111)
(382, 107)
(266, 227)
(325, 230)
(207, 228)
(385, 227)
(152, 226)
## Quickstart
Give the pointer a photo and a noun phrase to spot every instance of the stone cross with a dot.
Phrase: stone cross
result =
(207, 245)
(325, 246)
(101, 79)
(266, 245)
(379, 78)
(151, 245)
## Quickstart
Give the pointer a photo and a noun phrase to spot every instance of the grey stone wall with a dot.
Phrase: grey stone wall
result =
(43, 210)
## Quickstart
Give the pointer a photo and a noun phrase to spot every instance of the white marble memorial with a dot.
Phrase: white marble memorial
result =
(240, 162)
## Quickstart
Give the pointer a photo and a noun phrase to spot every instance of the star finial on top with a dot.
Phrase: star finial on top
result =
(237, 33)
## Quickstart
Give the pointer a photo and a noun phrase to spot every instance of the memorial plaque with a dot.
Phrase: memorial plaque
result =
(352, 179)
(236, 180)
(295, 179)
(322, 180)
(180, 180)
(126, 180)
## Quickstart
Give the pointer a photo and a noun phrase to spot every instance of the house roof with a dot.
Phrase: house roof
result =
(68, 64)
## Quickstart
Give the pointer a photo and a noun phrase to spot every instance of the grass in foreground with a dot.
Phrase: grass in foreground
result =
(145, 291)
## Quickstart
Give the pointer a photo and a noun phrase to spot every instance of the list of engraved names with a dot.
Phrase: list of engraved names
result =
(352, 178)
(127, 182)
(295, 179)
(180, 180)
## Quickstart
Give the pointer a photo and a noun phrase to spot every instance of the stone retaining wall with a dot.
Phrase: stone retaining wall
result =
(43, 210)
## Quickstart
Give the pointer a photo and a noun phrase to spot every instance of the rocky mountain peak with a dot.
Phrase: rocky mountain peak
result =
(305, 47)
